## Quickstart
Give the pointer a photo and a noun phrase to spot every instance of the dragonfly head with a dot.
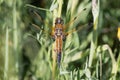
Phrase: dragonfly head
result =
(59, 21)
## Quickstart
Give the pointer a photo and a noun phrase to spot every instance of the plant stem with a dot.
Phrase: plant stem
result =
(6, 55)
(114, 63)
(95, 12)
(100, 57)
(60, 2)
(15, 36)
(28, 5)
(54, 55)
(56, 13)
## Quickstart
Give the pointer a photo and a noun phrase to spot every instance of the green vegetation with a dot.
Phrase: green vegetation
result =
(92, 52)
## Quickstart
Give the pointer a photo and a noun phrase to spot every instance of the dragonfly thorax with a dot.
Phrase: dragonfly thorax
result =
(58, 31)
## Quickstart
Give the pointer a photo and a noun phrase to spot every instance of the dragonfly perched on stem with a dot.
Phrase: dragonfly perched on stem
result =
(58, 33)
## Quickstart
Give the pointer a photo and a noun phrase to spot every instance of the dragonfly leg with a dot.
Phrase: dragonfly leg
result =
(53, 37)
(64, 37)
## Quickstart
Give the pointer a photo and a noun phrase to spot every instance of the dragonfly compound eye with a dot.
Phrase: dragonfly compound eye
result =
(59, 21)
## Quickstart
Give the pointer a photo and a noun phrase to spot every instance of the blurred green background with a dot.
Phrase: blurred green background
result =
(26, 52)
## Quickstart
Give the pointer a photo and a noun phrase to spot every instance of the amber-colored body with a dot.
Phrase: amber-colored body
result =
(58, 35)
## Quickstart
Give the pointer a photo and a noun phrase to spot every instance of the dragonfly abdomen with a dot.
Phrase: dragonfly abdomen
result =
(59, 59)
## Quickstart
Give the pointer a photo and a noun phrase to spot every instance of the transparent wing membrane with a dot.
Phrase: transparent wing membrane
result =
(73, 20)
(78, 29)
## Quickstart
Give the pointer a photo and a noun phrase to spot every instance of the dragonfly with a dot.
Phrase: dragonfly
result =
(58, 34)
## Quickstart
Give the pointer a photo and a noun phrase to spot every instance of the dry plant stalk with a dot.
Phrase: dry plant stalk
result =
(95, 12)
